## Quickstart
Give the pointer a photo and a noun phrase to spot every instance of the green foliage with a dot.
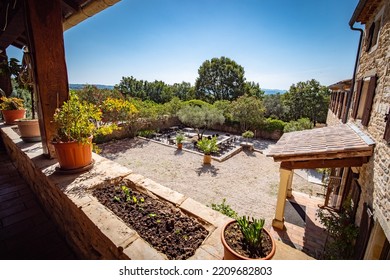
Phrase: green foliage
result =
(300, 124)
(253, 89)
(274, 106)
(248, 134)
(208, 146)
(156, 91)
(180, 138)
(76, 120)
(200, 117)
(116, 110)
(248, 111)
(342, 232)
(307, 100)
(94, 95)
(220, 79)
(11, 103)
(173, 106)
(225, 107)
(252, 232)
(224, 209)
(146, 133)
(272, 125)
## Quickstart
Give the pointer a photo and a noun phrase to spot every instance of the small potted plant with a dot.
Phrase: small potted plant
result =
(245, 239)
(12, 109)
(179, 140)
(247, 135)
(75, 122)
(208, 146)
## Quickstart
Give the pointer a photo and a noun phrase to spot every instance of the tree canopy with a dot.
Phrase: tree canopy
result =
(308, 100)
(220, 79)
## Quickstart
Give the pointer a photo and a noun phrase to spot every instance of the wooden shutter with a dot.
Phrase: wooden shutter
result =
(370, 37)
(357, 98)
(369, 101)
(341, 99)
(387, 128)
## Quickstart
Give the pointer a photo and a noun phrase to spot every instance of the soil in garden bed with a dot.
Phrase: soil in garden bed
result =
(163, 226)
(234, 239)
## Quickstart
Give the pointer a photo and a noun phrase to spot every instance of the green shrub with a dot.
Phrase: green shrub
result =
(300, 124)
(224, 209)
(146, 133)
(273, 124)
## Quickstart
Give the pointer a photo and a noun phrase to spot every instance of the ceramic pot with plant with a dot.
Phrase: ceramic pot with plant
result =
(12, 109)
(208, 146)
(75, 124)
(245, 239)
(179, 140)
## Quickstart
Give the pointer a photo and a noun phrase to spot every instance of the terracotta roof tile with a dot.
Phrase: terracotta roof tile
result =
(344, 140)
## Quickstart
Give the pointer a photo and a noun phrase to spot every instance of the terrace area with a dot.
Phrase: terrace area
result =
(119, 241)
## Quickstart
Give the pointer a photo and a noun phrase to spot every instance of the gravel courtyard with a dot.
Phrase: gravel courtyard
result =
(248, 180)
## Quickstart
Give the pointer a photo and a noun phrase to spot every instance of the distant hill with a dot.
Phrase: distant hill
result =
(80, 86)
(273, 91)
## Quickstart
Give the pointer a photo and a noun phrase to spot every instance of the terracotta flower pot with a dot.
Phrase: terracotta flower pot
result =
(206, 159)
(29, 130)
(230, 254)
(73, 155)
(10, 116)
(180, 146)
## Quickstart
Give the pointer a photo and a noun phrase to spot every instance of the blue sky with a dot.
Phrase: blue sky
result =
(278, 43)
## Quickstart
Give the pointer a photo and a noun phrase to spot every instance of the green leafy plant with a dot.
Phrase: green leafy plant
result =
(76, 120)
(224, 209)
(342, 232)
(208, 146)
(252, 232)
(11, 103)
(180, 138)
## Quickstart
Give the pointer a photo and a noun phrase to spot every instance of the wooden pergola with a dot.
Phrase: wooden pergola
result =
(39, 25)
(342, 145)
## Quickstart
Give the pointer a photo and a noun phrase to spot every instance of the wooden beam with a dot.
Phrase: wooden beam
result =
(325, 163)
(46, 44)
(323, 155)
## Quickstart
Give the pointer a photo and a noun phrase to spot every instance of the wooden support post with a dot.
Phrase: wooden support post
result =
(5, 77)
(46, 44)
(285, 178)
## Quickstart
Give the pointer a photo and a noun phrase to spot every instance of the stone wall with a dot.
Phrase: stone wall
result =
(374, 176)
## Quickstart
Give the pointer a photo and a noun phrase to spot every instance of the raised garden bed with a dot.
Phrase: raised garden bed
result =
(159, 223)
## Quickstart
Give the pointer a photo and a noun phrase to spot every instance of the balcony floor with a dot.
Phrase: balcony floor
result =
(26, 232)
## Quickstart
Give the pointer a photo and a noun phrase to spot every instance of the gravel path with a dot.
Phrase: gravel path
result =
(249, 180)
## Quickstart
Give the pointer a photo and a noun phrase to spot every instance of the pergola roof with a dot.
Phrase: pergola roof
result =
(344, 141)
(12, 24)
(341, 85)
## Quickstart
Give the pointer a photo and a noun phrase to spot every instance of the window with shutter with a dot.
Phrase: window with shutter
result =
(357, 98)
(369, 101)
(387, 129)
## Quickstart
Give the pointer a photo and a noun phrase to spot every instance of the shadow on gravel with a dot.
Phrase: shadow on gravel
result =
(207, 169)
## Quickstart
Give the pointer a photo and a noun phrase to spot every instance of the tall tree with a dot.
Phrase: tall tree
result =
(248, 111)
(274, 106)
(220, 79)
(307, 100)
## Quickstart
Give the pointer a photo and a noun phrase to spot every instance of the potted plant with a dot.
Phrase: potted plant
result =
(75, 123)
(208, 146)
(247, 135)
(179, 140)
(12, 109)
(245, 239)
